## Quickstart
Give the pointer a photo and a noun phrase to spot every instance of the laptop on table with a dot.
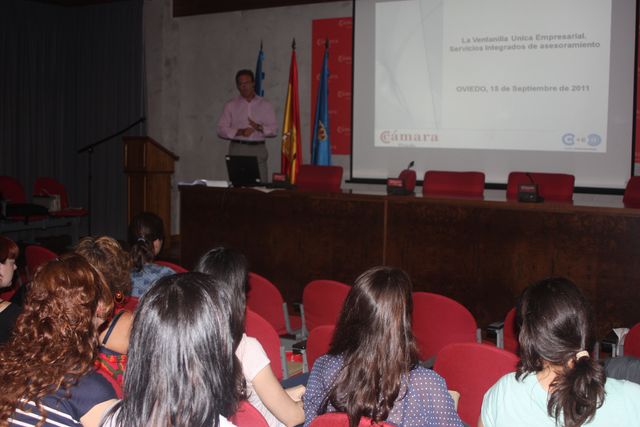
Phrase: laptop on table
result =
(243, 171)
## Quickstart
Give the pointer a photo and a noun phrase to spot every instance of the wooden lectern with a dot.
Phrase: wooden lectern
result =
(149, 167)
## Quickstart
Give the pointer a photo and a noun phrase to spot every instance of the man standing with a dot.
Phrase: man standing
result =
(246, 121)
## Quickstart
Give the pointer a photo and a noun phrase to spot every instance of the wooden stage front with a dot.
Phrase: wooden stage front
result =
(479, 252)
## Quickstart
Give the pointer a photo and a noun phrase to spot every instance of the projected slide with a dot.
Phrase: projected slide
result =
(492, 74)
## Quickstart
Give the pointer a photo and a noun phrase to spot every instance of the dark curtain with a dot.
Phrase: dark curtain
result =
(70, 76)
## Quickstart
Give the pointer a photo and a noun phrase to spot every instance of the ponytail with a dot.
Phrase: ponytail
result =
(141, 253)
(145, 228)
(578, 392)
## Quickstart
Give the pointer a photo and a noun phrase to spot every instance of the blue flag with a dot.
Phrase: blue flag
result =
(259, 74)
(320, 144)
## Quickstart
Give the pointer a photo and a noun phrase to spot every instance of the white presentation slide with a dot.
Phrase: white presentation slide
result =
(495, 86)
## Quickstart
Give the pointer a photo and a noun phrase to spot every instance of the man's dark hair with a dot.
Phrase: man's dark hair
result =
(244, 73)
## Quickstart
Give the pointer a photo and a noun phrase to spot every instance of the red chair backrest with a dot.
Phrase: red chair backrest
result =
(632, 342)
(510, 334)
(260, 329)
(45, 186)
(340, 419)
(318, 343)
(556, 187)
(631, 198)
(438, 320)
(12, 190)
(36, 256)
(130, 304)
(408, 177)
(248, 416)
(319, 178)
(323, 301)
(175, 267)
(456, 184)
(265, 299)
(471, 369)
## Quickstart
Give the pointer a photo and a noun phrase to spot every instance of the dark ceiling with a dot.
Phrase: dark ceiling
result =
(199, 7)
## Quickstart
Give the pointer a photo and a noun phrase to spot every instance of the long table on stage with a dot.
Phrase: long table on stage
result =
(479, 252)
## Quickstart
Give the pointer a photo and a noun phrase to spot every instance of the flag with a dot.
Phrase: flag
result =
(320, 143)
(291, 151)
(259, 74)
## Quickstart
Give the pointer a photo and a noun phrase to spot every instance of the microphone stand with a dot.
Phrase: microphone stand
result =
(89, 149)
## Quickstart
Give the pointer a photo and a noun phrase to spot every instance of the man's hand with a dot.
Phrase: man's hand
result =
(245, 132)
(256, 126)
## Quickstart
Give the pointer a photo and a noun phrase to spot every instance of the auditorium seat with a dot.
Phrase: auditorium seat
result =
(471, 369)
(632, 342)
(248, 416)
(437, 321)
(36, 256)
(175, 267)
(340, 419)
(322, 301)
(631, 197)
(507, 336)
(453, 184)
(556, 187)
(265, 299)
(17, 208)
(46, 186)
(319, 178)
(260, 329)
(318, 343)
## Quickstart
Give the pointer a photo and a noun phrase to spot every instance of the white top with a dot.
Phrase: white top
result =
(254, 359)
(524, 403)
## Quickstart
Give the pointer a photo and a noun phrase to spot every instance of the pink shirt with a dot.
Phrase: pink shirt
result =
(236, 114)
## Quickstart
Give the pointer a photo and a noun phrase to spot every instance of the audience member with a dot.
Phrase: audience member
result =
(278, 406)
(46, 368)
(372, 366)
(106, 255)
(557, 383)
(146, 235)
(181, 370)
(8, 312)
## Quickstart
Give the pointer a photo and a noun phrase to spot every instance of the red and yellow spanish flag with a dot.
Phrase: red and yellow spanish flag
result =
(291, 148)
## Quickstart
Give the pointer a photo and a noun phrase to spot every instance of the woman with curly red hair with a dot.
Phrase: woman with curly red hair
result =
(46, 369)
(8, 312)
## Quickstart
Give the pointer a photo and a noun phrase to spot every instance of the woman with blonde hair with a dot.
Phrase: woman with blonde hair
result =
(46, 369)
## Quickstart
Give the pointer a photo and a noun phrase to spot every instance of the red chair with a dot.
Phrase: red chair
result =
(632, 342)
(36, 256)
(17, 207)
(318, 343)
(45, 186)
(508, 336)
(130, 304)
(471, 369)
(265, 299)
(438, 320)
(322, 302)
(319, 178)
(455, 184)
(340, 419)
(556, 187)
(260, 329)
(631, 198)
(175, 267)
(248, 416)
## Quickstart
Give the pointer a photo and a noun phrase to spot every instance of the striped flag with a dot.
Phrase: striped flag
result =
(291, 150)
(259, 73)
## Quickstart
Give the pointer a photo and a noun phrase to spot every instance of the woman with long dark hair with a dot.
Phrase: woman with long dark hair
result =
(181, 370)
(8, 312)
(372, 366)
(146, 237)
(46, 369)
(278, 406)
(557, 383)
